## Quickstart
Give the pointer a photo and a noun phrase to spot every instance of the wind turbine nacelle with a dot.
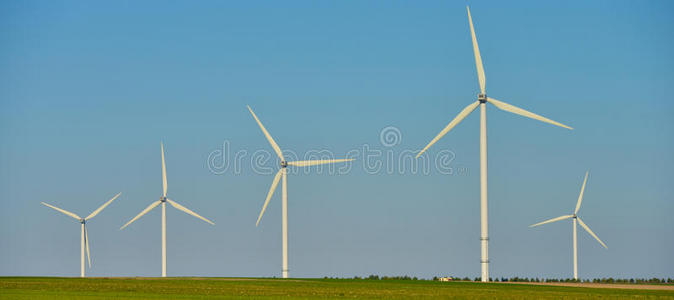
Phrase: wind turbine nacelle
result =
(284, 164)
(482, 98)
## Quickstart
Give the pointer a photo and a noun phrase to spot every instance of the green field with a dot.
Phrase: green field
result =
(253, 288)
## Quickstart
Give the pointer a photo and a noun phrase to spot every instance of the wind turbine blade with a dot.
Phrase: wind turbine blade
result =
(591, 233)
(306, 163)
(516, 110)
(478, 59)
(149, 208)
(63, 211)
(582, 190)
(189, 212)
(271, 193)
(86, 242)
(93, 214)
(552, 220)
(163, 170)
(266, 134)
(462, 115)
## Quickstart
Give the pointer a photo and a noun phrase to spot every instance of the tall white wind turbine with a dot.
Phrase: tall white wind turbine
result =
(575, 219)
(482, 101)
(84, 241)
(162, 200)
(282, 173)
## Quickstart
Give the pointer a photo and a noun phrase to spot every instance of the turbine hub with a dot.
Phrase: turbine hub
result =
(482, 98)
(574, 216)
(83, 221)
(284, 164)
(162, 199)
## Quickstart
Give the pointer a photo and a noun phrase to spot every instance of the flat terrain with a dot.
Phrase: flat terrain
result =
(669, 287)
(257, 288)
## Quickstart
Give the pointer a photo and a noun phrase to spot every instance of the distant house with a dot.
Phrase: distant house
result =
(445, 279)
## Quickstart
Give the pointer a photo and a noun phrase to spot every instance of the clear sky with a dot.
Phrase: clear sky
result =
(89, 89)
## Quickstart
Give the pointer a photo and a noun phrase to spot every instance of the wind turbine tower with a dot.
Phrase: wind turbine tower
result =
(482, 101)
(283, 173)
(84, 240)
(576, 219)
(163, 200)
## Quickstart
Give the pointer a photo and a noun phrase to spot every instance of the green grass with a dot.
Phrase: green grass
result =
(253, 288)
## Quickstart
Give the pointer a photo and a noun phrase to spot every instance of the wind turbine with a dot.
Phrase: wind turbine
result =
(85, 237)
(575, 219)
(283, 173)
(482, 101)
(162, 200)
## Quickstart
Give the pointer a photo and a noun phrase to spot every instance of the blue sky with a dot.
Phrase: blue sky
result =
(89, 89)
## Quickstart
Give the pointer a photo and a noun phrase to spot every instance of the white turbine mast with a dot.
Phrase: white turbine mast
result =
(163, 200)
(482, 101)
(582, 224)
(282, 173)
(84, 240)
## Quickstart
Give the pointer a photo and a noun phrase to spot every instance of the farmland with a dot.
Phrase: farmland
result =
(263, 288)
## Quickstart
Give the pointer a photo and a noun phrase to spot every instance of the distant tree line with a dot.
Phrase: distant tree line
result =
(522, 279)
(595, 280)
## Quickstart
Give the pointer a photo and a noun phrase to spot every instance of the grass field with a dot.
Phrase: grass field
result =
(253, 288)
